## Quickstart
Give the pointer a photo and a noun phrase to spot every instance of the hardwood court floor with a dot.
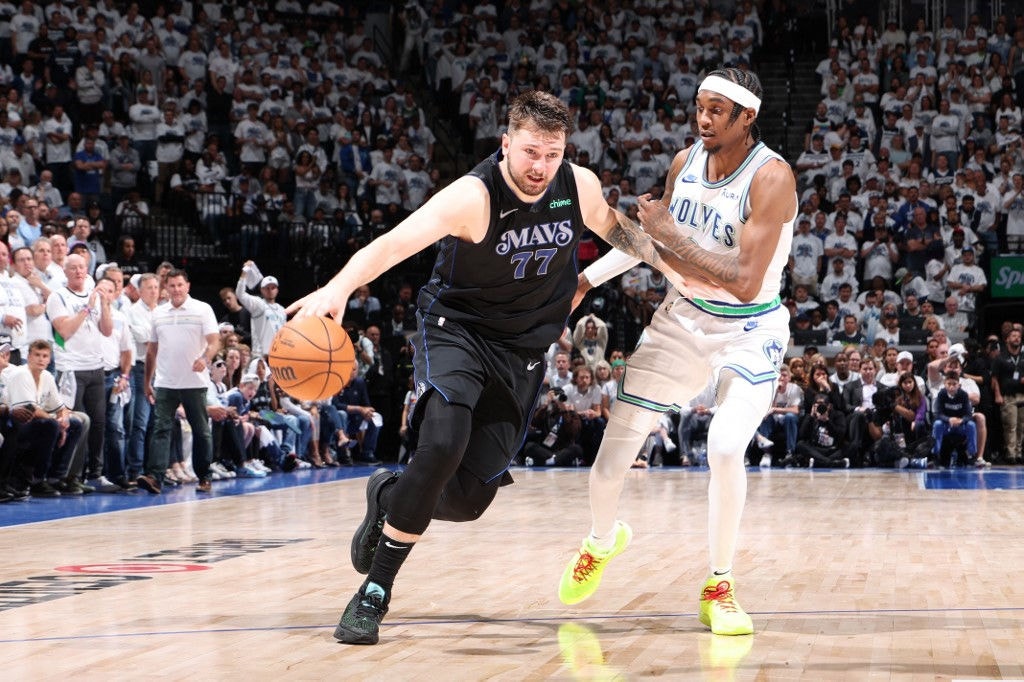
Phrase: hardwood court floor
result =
(848, 576)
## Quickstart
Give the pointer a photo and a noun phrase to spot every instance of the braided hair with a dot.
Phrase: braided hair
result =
(747, 80)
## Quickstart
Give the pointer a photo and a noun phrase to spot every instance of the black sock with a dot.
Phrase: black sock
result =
(387, 561)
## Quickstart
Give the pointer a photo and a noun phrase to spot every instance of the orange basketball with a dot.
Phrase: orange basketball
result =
(312, 358)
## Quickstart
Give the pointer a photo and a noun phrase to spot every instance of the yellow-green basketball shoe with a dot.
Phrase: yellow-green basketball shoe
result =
(719, 609)
(583, 574)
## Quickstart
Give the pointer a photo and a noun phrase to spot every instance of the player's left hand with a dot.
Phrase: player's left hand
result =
(583, 285)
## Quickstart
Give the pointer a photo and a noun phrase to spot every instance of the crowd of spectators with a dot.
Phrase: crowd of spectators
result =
(275, 122)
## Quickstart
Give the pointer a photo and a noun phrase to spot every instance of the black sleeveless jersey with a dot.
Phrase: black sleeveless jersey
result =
(515, 287)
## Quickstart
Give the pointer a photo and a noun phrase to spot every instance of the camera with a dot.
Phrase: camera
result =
(560, 395)
(821, 408)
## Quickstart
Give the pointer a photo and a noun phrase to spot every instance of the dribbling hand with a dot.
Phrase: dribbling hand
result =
(324, 302)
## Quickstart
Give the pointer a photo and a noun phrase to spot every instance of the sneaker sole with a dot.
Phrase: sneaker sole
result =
(360, 561)
(346, 636)
(734, 632)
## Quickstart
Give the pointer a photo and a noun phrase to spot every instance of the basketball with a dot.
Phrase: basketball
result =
(312, 358)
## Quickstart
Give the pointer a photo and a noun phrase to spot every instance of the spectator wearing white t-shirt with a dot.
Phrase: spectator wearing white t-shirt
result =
(12, 305)
(33, 294)
(118, 357)
(266, 314)
(41, 419)
(81, 317)
(140, 326)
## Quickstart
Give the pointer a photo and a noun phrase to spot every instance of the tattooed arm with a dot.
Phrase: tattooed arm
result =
(610, 224)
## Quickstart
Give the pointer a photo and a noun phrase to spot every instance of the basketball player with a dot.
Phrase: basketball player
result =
(725, 224)
(499, 296)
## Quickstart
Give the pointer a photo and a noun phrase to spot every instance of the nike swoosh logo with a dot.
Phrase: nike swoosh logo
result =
(393, 546)
(503, 214)
(688, 178)
(531, 365)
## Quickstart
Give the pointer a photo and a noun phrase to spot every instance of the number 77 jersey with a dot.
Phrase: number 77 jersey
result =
(515, 287)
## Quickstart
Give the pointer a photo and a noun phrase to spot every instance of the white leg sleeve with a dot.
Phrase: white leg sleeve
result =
(628, 428)
(742, 407)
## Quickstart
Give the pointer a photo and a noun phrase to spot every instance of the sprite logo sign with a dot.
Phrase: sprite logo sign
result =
(1007, 277)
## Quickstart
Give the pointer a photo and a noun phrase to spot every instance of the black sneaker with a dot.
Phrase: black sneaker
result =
(14, 493)
(73, 482)
(67, 489)
(364, 542)
(43, 489)
(360, 623)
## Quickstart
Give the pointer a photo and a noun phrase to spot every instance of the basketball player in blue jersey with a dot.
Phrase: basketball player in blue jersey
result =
(725, 225)
(499, 295)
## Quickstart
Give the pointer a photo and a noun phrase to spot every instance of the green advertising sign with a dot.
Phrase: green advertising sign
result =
(1007, 277)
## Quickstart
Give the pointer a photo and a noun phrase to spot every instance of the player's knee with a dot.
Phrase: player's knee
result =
(731, 443)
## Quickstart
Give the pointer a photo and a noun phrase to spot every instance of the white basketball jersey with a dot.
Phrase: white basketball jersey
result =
(714, 214)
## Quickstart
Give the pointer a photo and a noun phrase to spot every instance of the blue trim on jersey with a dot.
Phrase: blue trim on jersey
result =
(426, 351)
(754, 379)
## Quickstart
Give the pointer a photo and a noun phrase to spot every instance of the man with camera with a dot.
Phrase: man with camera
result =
(553, 433)
(822, 440)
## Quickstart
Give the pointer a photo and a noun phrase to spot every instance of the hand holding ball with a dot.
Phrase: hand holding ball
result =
(312, 358)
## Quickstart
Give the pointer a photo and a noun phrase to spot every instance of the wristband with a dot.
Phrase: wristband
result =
(613, 263)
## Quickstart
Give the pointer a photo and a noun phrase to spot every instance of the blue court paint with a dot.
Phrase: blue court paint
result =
(36, 510)
(975, 479)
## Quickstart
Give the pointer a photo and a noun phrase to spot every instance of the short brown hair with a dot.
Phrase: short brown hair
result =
(540, 110)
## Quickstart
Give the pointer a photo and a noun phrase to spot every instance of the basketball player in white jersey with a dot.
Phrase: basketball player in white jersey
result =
(725, 224)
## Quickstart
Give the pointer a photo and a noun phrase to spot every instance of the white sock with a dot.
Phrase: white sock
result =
(602, 542)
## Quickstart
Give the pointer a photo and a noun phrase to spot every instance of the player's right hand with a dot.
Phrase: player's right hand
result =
(324, 302)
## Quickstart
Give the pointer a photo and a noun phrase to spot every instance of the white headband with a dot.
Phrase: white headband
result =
(737, 93)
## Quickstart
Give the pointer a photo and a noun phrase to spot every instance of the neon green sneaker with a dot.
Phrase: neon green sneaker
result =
(583, 574)
(719, 610)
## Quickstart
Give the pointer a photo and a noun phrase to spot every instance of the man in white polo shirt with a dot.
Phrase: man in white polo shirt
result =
(184, 342)
(80, 319)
